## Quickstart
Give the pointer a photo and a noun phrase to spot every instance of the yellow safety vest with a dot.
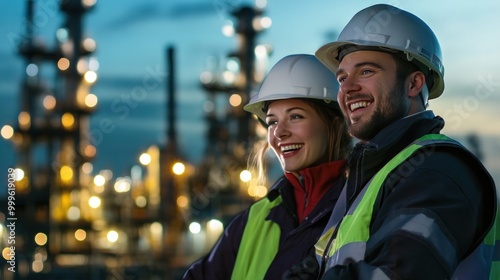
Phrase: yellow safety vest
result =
(349, 244)
(254, 254)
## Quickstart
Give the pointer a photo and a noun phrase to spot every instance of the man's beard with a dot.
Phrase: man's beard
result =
(393, 106)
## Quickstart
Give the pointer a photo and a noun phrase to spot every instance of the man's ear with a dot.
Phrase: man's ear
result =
(416, 82)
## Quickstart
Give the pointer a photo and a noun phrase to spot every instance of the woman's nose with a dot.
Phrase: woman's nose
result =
(281, 130)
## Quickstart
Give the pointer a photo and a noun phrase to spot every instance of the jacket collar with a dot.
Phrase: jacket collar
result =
(408, 128)
(310, 173)
(368, 157)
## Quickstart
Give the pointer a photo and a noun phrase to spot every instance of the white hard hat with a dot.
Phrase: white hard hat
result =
(295, 76)
(390, 28)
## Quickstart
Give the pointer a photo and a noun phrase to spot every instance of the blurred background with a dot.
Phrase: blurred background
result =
(122, 123)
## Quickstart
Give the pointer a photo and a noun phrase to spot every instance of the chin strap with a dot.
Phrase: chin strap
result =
(424, 96)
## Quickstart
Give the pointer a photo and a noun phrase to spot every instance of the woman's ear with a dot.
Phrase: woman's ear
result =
(416, 83)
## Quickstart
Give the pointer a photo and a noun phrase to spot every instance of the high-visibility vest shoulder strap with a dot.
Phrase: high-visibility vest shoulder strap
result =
(325, 248)
(255, 253)
(360, 213)
(353, 232)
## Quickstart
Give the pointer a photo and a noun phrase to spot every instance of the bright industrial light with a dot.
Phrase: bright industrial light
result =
(7, 132)
(145, 159)
(49, 102)
(19, 173)
(89, 151)
(156, 228)
(89, 44)
(261, 4)
(99, 180)
(87, 167)
(245, 176)
(40, 239)
(257, 191)
(207, 77)
(73, 213)
(80, 234)
(228, 77)
(141, 201)
(228, 29)
(90, 77)
(32, 70)
(235, 100)
(24, 119)
(94, 202)
(37, 266)
(194, 228)
(108, 174)
(233, 65)
(6, 253)
(178, 168)
(63, 64)
(182, 201)
(88, 3)
(62, 34)
(112, 236)
(67, 120)
(91, 100)
(266, 22)
(93, 64)
(261, 51)
(82, 66)
(215, 225)
(66, 173)
(261, 23)
(122, 185)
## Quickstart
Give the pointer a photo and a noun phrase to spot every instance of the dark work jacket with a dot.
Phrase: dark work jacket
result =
(444, 184)
(296, 243)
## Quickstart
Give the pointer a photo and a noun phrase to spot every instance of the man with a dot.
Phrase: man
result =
(417, 205)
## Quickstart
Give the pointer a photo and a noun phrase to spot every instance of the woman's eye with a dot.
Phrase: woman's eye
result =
(295, 117)
(271, 122)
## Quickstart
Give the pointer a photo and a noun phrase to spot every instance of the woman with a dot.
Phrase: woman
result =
(306, 131)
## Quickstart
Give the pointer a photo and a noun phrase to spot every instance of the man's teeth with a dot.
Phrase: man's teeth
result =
(361, 104)
(291, 147)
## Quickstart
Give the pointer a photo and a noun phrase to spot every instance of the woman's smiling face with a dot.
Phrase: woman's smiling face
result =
(297, 134)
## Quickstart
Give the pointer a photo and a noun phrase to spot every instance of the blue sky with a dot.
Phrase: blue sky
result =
(132, 37)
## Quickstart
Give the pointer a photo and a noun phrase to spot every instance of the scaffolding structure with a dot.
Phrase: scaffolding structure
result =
(73, 224)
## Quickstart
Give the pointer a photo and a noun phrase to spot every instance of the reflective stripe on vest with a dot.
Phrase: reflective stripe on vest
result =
(259, 243)
(349, 244)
